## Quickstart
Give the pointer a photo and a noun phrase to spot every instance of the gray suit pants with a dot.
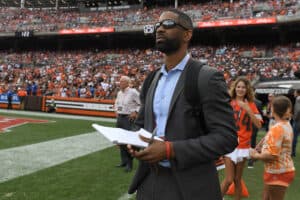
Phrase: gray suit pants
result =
(160, 184)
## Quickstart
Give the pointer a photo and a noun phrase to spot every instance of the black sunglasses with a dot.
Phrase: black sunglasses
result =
(168, 24)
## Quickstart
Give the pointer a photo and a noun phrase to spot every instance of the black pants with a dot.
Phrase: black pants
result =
(124, 122)
(9, 102)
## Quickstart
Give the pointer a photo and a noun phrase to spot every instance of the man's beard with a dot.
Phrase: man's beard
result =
(168, 46)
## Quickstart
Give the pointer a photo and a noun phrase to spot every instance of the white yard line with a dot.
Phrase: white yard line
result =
(27, 159)
(126, 196)
(55, 115)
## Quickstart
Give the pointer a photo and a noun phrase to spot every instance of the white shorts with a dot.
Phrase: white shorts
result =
(238, 155)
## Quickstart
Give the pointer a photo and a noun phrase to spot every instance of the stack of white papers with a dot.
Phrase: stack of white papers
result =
(122, 136)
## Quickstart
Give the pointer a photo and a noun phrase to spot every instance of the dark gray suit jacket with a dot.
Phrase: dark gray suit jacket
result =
(296, 114)
(197, 142)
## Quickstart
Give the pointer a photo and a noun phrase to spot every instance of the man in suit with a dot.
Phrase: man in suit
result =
(296, 120)
(182, 166)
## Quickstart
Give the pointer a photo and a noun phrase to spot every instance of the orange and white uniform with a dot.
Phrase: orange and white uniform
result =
(278, 142)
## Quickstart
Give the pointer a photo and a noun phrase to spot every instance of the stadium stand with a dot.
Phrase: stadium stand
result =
(38, 3)
(53, 20)
(64, 73)
(88, 65)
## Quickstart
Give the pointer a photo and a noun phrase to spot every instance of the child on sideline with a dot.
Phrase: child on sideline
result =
(276, 151)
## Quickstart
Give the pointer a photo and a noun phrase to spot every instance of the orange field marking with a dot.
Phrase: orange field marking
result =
(9, 122)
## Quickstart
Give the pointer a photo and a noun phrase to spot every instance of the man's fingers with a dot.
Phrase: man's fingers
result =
(144, 155)
(141, 154)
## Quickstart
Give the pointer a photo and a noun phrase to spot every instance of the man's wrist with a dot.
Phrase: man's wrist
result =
(169, 150)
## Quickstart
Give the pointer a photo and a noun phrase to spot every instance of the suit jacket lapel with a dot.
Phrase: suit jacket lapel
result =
(149, 114)
(179, 87)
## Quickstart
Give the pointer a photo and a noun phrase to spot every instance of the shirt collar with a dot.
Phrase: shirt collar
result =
(180, 66)
(126, 89)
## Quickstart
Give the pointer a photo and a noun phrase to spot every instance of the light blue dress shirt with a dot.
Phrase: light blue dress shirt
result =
(163, 95)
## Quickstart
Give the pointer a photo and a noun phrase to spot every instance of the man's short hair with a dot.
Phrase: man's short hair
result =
(183, 19)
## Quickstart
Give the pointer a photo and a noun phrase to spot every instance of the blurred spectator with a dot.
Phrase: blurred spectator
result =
(51, 107)
(9, 94)
(21, 94)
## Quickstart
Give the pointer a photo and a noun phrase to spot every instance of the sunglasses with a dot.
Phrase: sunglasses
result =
(168, 24)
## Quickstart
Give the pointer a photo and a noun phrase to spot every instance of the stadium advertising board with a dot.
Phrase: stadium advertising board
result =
(237, 22)
(87, 30)
(277, 87)
(15, 99)
(272, 90)
(80, 106)
(24, 34)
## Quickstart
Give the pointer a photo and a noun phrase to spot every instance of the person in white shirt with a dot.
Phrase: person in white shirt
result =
(127, 105)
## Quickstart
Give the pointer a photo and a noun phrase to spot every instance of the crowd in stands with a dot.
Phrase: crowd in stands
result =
(95, 74)
(38, 20)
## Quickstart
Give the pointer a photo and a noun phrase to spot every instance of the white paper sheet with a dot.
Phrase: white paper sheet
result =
(122, 136)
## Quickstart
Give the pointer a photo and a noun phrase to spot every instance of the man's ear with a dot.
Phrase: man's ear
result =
(188, 35)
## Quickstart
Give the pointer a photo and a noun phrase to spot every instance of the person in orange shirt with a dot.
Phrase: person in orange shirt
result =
(276, 151)
(245, 114)
(21, 94)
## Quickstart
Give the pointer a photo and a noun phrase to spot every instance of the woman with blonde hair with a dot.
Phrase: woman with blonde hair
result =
(246, 114)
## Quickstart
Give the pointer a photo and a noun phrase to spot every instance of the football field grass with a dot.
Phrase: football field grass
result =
(93, 176)
(54, 129)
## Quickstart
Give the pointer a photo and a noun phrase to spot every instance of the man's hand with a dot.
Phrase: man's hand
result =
(132, 116)
(155, 152)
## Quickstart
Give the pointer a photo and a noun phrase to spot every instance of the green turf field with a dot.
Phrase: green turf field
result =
(90, 177)
(34, 133)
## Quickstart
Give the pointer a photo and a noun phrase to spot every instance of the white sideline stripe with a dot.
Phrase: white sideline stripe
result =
(56, 115)
(125, 196)
(20, 161)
